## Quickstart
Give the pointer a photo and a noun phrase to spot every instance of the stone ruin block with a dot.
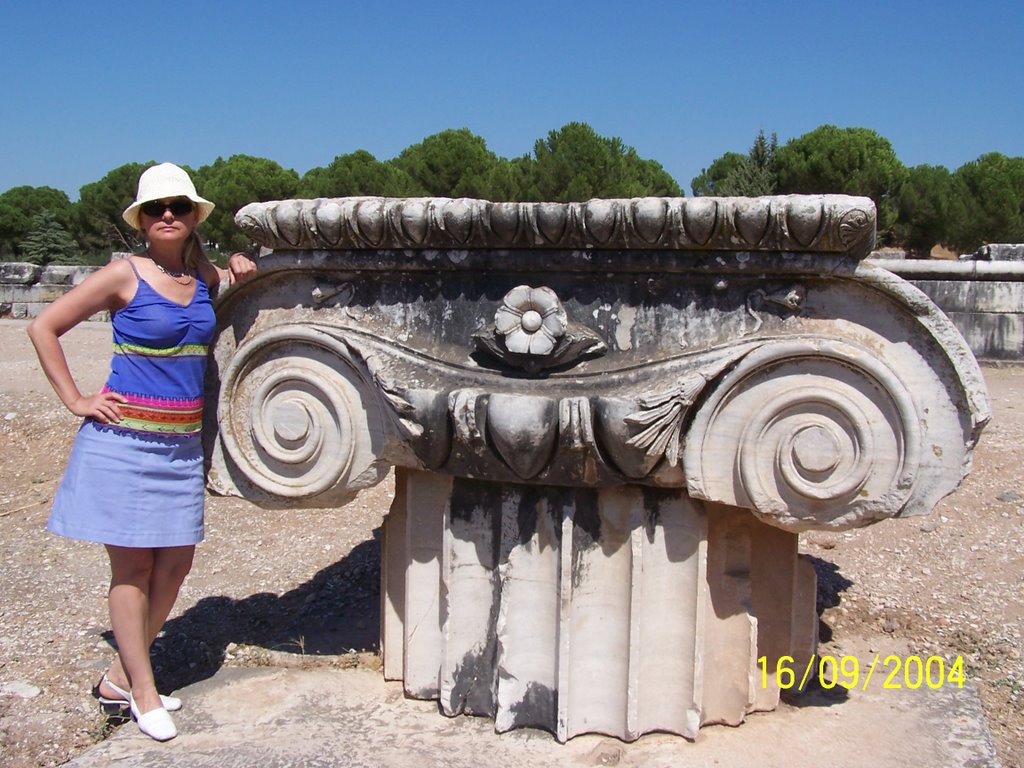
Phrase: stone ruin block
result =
(1001, 252)
(65, 274)
(19, 273)
(609, 422)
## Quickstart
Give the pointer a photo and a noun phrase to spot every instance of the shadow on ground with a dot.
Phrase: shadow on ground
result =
(337, 611)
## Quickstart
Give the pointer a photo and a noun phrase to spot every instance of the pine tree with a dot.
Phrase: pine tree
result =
(48, 242)
(733, 174)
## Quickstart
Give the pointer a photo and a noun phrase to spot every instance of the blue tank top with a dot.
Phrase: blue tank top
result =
(159, 362)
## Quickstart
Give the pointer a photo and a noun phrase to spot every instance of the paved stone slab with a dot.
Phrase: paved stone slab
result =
(326, 717)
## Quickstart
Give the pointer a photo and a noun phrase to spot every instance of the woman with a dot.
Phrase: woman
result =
(134, 481)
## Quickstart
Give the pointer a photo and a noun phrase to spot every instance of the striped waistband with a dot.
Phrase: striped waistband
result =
(162, 416)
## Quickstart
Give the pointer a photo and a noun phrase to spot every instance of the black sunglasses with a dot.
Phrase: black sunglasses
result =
(156, 209)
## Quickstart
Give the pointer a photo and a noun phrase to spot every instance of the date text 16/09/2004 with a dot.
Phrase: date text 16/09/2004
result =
(846, 671)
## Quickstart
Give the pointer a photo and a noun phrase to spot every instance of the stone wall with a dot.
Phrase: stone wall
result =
(984, 299)
(26, 289)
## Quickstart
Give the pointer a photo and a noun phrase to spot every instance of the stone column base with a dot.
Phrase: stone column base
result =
(621, 610)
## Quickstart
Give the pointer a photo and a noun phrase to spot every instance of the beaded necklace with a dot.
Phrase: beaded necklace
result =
(175, 276)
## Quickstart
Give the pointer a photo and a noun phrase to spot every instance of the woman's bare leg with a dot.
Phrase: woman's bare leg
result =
(130, 572)
(170, 566)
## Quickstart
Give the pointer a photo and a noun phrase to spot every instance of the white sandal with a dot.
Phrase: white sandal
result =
(170, 703)
(156, 723)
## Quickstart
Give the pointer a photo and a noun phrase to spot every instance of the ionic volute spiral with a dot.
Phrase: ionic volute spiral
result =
(807, 434)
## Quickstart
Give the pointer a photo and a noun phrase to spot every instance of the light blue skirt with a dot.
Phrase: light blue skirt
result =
(130, 489)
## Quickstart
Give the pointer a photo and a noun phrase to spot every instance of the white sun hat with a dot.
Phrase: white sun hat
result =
(160, 182)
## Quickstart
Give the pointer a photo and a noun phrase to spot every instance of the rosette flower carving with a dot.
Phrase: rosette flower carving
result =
(532, 330)
(532, 320)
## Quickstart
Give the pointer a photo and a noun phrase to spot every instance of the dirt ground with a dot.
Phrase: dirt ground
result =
(300, 588)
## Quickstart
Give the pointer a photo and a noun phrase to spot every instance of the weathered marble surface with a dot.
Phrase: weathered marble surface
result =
(610, 421)
(823, 223)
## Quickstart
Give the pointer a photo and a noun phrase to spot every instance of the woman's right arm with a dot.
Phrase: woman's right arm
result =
(109, 288)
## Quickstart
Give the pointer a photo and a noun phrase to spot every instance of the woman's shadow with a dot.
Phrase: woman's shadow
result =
(337, 611)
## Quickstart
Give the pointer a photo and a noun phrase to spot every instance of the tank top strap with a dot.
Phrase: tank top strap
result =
(132, 265)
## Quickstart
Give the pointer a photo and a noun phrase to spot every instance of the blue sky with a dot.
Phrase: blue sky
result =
(90, 86)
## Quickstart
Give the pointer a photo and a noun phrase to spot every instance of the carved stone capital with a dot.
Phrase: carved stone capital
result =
(805, 429)
(609, 421)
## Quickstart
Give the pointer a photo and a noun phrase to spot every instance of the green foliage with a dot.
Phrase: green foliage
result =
(714, 179)
(452, 163)
(574, 163)
(511, 180)
(48, 242)
(929, 204)
(358, 173)
(992, 189)
(99, 227)
(851, 161)
(233, 183)
(760, 175)
(733, 174)
(18, 206)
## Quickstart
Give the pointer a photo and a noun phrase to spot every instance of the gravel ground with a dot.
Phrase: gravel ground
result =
(287, 588)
